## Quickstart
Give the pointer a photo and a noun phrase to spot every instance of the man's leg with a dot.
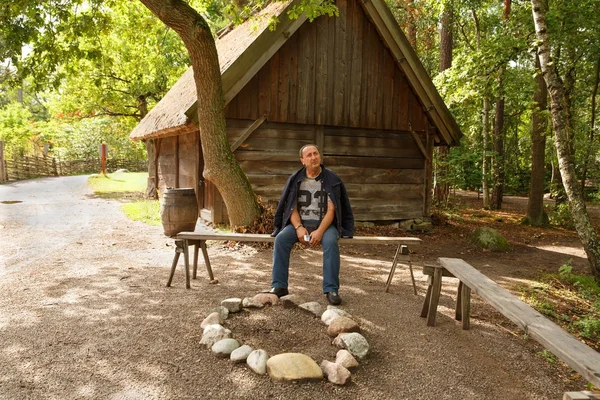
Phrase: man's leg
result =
(331, 260)
(284, 242)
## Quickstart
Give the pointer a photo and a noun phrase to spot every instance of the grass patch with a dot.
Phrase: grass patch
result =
(571, 301)
(119, 186)
(128, 187)
(147, 211)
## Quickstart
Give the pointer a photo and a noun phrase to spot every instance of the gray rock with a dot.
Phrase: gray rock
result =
(291, 301)
(233, 305)
(241, 353)
(354, 342)
(213, 333)
(212, 319)
(257, 361)
(312, 307)
(423, 227)
(490, 239)
(346, 359)
(335, 373)
(224, 312)
(333, 313)
(293, 367)
(224, 347)
(342, 324)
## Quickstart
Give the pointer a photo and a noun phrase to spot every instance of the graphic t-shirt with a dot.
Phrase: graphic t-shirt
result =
(312, 202)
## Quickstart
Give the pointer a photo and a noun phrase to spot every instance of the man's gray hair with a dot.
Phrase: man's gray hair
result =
(309, 145)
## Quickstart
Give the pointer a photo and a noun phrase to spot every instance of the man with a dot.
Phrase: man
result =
(314, 209)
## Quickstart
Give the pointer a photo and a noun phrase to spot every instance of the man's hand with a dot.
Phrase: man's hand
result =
(300, 232)
(316, 237)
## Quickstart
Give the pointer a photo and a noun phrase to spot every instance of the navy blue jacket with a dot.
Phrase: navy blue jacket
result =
(332, 184)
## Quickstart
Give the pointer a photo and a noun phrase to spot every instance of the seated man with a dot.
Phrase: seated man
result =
(314, 209)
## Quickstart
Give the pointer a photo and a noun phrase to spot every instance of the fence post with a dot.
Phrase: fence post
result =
(3, 177)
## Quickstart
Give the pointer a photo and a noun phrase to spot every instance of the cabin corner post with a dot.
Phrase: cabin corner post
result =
(428, 187)
(199, 180)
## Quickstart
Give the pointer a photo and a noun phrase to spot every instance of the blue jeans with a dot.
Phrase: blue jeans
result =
(284, 242)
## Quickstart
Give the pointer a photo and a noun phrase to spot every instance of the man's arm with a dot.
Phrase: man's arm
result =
(316, 236)
(297, 224)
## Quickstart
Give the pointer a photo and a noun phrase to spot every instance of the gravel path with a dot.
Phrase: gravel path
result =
(85, 314)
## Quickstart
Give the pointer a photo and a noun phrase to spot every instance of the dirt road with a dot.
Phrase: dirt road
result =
(84, 314)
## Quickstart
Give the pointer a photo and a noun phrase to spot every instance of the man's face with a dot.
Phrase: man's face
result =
(311, 157)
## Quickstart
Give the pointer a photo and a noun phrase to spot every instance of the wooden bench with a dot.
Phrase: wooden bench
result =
(198, 239)
(576, 354)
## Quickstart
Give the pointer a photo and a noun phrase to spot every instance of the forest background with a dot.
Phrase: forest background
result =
(76, 74)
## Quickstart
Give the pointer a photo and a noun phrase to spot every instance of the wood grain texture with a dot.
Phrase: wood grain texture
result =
(576, 354)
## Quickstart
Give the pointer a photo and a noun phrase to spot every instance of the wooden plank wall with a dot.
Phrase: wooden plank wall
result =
(167, 163)
(384, 171)
(334, 71)
(187, 160)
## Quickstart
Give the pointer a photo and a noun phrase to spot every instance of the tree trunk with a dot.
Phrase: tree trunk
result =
(485, 130)
(536, 215)
(499, 132)
(560, 123)
(498, 158)
(220, 165)
(590, 146)
(442, 184)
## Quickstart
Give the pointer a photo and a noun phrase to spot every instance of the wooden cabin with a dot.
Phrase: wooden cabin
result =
(350, 84)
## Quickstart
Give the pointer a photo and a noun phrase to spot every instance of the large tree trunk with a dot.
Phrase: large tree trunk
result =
(560, 123)
(485, 130)
(485, 166)
(536, 215)
(220, 165)
(498, 159)
(590, 146)
(499, 132)
(442, 185)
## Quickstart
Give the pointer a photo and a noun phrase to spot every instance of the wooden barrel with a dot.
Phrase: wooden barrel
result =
(179, 210)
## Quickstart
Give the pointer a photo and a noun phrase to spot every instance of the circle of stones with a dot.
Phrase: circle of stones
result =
(340, 324)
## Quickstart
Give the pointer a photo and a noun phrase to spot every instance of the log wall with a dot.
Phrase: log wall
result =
(334, 71)
(384, 171)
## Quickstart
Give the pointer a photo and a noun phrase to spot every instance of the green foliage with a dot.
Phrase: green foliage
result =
(572, 300)
(547, 356)
(561, 216)
(16, 129)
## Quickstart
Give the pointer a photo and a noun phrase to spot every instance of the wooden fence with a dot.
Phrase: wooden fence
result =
(28, 167)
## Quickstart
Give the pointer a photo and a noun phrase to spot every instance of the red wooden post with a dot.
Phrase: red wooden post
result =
(103, 156)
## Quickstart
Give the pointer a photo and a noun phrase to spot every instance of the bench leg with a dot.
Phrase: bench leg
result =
(436, 290)
(425, 308)
(178, 251)
(393, 269)
(186, 257)
(412, 277)
(196, 249)
(458, 312)
(206, 260)
(465, 306)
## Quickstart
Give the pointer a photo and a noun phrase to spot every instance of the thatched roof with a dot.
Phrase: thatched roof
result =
(247, 48)
(169, 117)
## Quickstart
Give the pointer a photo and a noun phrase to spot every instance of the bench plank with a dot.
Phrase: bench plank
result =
(258, 237)
(576, 354)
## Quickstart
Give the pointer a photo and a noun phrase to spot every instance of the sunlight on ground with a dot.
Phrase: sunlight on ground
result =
(571, 251)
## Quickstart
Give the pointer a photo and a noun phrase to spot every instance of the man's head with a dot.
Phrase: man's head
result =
(310, 156)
